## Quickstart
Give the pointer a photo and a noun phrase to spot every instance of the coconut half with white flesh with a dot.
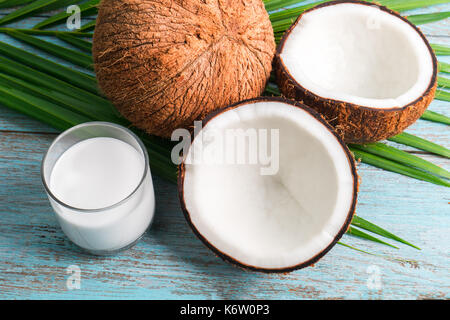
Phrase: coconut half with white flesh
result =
(283, 211)
(370, 72)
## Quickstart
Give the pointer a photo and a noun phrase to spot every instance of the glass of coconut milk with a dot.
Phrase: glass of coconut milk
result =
(98, 180)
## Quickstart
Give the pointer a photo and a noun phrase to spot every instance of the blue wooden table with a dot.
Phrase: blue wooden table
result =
(38, 262)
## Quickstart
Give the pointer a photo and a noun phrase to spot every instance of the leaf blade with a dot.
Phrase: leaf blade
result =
(75, 57)
(363, 235)
(440, 49)
(13, 3)
(396, 167)
(442, 95)
(419, 19)
(28, 9)
(88, 26)
(420, 143)
(444, 82)
(73, 103)
(61, 72)
(47, 32)
(86, 8)
(435, 117)
(369, 226)
(83, 45)
(444, 67)
(391, 153)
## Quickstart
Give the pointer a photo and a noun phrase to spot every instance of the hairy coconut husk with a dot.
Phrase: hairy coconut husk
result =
(166, 63)
(355, 123)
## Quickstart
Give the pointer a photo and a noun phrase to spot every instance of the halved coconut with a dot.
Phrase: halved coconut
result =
(268, 220)
(367, 70)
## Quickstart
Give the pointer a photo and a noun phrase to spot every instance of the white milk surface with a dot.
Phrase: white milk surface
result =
(98, 173)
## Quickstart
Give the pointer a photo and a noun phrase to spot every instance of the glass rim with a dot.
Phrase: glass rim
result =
(89, 124)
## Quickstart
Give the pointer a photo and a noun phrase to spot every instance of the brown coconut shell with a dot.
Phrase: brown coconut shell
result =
(319, 255)
(355, 123)
(166, 63)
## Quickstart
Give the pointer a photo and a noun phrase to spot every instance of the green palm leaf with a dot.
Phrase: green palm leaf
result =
(76, 78)
(419, 143)
(403, 157)
(444, 67)
(43, 110)
(393, 166)
(402, 5)
(419, 19)
(28, 9)
(75, 57)
(88, 109)
(442, 95)
(444, 82)
(440, 49)
(395, 5)
(83, 45)
(278, 4)
(86, 8)
(89, 26)
(13, 3)
(42, 79)
(435, 117)
(48, 32)
(363, 235)
(364, 224)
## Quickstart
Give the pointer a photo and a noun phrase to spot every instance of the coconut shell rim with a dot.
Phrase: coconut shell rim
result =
(279, 64)
(342, 231)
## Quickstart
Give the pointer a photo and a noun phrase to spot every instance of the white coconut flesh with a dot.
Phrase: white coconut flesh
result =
(271, 221)
(359, 54)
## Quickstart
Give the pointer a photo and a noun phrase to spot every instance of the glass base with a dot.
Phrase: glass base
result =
(111, 252)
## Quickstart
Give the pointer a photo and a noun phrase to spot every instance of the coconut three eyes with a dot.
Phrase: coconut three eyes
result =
(166, 63)
(369, 71)
(273, 220)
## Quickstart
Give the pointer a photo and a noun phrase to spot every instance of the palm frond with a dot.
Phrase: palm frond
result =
(48, 32)
(76, 78)
(435, 117)
(82, 45)
(402, 157)
(389, 165)
(440, 49)
(363, 235)
(444, 67)
(89, 26)
(419, 19)
(442, 95)
(86, 8)
(419, 143)
(369, 226)
(13, 3)
(75, 57)
(33, 7)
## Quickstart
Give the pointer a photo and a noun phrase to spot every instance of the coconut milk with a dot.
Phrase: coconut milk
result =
(106, 205)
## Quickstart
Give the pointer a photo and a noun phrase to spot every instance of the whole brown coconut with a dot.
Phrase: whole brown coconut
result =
(166, 63)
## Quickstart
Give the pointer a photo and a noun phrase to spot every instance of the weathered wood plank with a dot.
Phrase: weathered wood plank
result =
(171, 263)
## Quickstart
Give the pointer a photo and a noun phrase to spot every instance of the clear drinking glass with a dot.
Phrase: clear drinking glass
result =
(114, 228)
